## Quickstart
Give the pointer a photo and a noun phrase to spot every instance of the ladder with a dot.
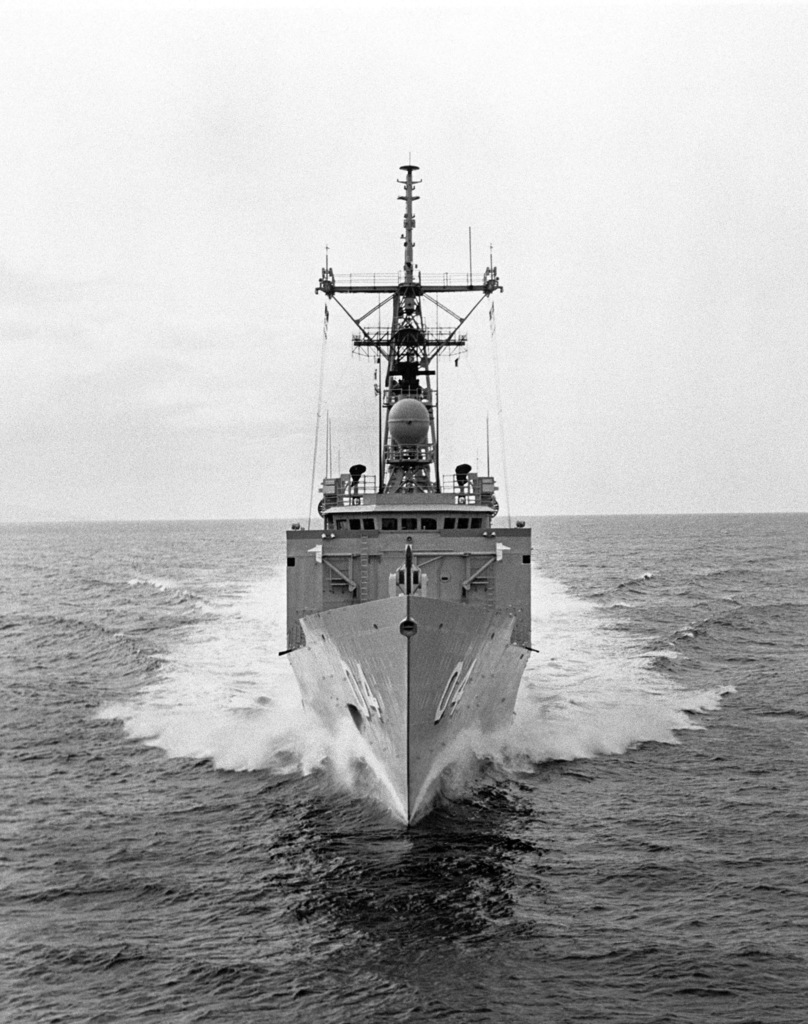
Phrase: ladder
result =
(363, 568)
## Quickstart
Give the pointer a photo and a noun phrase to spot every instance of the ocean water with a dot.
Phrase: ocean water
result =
(181, 844)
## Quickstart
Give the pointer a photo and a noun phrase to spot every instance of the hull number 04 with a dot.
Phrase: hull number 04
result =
(453, 691)
(366, 699)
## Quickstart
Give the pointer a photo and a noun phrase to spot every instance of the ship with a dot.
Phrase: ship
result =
(408, 609)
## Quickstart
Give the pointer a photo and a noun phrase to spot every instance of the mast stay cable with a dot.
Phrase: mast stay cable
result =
(319, 413)
(498, 390)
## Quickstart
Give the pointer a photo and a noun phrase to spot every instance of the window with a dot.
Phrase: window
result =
(526, 559)
(340, 524)
(369, 524)
(463, 524)
(476, 524)
(409, 524)
(356, 524)
(429, 524)
(290, 562)
(389, 524)
(449, 523)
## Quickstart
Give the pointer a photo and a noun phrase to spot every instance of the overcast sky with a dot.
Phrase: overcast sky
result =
(169, 183)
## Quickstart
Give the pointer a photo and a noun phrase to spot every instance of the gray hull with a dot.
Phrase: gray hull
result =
(417, 699)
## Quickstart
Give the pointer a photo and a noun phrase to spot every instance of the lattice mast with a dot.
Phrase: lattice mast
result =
(408, 438)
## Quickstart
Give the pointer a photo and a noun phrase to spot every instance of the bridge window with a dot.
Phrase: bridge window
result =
(476, 524)
(463, 523)
(389, 524)
(356, 524)
(340, 524)
(449, 523)
(409, 524)
(429, 524)
(369, 524)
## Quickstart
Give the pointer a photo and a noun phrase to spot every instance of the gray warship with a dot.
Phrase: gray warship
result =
(408, 611)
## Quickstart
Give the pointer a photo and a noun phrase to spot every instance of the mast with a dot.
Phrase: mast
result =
(408, 348)
(409, 220)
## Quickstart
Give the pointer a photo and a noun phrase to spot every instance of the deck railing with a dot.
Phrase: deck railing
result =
(474, 489)
(415, 454)
(365, 280)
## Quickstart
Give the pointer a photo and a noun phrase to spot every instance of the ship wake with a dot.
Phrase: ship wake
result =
(591, 689)
(223, 695)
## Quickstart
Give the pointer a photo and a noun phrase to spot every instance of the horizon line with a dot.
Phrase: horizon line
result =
(81, 520)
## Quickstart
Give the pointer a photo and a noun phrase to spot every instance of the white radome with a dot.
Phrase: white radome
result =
(409, 421)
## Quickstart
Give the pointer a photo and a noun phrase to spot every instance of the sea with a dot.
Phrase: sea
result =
(182, 844)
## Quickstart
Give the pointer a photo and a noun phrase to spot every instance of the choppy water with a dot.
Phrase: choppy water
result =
(181, 844)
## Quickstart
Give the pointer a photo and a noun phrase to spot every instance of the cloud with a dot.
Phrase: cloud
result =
(170, 181)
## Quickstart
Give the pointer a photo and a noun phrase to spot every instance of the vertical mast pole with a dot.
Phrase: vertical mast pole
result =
(437, 427)
(380, 386)
(409, 223)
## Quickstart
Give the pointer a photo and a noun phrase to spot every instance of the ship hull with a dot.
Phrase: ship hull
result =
(418, 677)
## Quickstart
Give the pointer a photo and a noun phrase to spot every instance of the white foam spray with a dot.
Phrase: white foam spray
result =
(590, 691)
(224, 695)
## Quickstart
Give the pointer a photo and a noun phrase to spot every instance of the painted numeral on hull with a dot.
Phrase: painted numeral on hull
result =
(454, 689)
(366, 699)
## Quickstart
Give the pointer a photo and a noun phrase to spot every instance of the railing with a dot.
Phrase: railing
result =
(397, 454)
(365, 280)
(452, 280)
(342, 490)
(474, 490)
(430, 336)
